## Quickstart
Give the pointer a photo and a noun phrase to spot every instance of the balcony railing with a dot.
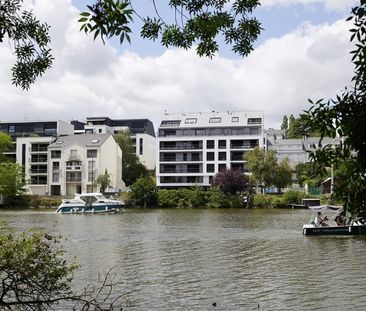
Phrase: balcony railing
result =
(73, 179)
(186, 147)
(38, 171)
(73, 167)
(181, 170)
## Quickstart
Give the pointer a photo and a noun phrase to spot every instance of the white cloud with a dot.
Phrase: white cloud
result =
(332, 5)
(89, 79)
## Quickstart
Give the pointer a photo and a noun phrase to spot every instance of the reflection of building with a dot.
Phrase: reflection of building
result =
(142, 134)
(31, 139)
(75, 162)
(193, 147)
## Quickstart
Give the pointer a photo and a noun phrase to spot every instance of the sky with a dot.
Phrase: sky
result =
(302, 53)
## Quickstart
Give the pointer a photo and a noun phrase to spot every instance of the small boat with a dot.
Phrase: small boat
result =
(330, 224)
(90, 203)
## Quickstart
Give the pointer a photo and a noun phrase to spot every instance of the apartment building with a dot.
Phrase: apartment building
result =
(142, 135)
(75, 162)
(193, 147)
(31, 140)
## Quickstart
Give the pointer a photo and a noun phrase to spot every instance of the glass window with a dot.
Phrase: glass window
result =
(215, 120)
(11, 129)
(91, 153)
(56, 154)
(210, 144)
(141, 151)
(222, 156)
(210, 156)
(190, 121)
(222, 167)
(235, 119)
(210, 168)
(55, 177)
(222, 144)
(55, 165)
(254, 120)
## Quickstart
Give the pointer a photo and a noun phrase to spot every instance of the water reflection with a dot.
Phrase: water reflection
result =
(189, 259)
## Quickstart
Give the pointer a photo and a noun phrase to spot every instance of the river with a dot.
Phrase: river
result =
(189, 259)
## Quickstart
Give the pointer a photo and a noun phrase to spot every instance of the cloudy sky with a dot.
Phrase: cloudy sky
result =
(302, 53)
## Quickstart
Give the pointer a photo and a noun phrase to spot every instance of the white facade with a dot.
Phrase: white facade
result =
(193, 147)
(143, 140)
(32, 154)
(75, 162)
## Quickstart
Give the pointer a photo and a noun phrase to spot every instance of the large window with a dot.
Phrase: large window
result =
(210, 156)
(215, 120)
(141, 151)
(190, 121)
(55, 177)
(210, 168)
(56, 154)
(222, 156)
(210, 144)
(91, 153)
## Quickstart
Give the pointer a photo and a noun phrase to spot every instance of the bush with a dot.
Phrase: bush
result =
(293, 197)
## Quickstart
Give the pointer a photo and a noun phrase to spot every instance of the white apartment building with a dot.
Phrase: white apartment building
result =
(141, 130)
(75, 162)
(193, 147)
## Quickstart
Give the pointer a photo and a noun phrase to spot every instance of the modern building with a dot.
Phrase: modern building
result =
(193, 147)
(75, 162)
(141, 130)
(31, 139)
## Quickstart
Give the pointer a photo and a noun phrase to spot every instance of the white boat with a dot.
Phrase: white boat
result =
(329, 220)
(90, 203)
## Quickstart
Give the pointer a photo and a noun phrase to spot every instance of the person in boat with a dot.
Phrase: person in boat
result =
(319, 221)
(340, 220)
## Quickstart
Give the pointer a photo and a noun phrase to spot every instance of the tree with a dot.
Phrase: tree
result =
(199, 22)
(29, 39)
(35, 276)
(195, 22)
(143, 192)
(132, 169)
(283, 175)
(262, 165)
(5, 144)
(309, 173)
(230, 181)
(284, 124)
(345, 116)
(12, 182)
(103, 181)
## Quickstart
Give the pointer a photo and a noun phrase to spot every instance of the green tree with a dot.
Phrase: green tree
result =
(11, 182)
(132, 169)
(230, 181)
(103, 181)
(345, 116)
(5, 144)
(29, 40)
(34, 276)
(283, 175)
(143, 192)
(195, 22)
(262, 165)
(309, 173)
(284, 125)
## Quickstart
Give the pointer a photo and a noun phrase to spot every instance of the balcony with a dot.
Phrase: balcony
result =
(73, 179)
(37, 171)
(73, 168)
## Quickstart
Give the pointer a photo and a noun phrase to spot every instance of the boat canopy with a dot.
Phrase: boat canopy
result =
(326, 207)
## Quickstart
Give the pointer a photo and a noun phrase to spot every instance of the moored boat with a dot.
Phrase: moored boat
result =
(330, 220)
(90, 203)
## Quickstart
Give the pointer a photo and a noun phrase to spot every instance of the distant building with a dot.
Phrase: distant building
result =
(193, 147)
(142, 135)
(75, 162)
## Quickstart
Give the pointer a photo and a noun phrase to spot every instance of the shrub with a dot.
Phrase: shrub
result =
(293, 197)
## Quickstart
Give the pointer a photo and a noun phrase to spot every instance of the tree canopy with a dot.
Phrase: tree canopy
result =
(5, 144)
(345, 116)
(231, 181)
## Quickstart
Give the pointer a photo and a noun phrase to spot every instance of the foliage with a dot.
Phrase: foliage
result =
(143, 192)
(262, 165)
(284, 124)
(167, 198)
(283, 175)
(11, 181)
(103, 181)
(38, 201)
(29, 38)
(5, 144)
(293, 197)
(132, 169)
(34, 276)
(299, 128)
(278, 201)
(230, 181)
(309, 173)
(345, 116)
(195, 22)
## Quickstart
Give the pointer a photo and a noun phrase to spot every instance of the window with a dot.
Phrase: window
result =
(170, 123)
(222, 156)
(210, 168)
(254, 120)
(73, 154)
(11, 129)
(210, 156)
(141, 151)
(55, 177)
(56, 154)
(222, 144)
(91, 166)
(235, 119)
(215, 120)
(210, 144)
(190, 121)
(100, 130)
(55, 166)
(91, 153)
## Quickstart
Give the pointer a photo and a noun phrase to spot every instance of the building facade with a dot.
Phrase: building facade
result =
(142, 135)
(76, 161)
(193, 147)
